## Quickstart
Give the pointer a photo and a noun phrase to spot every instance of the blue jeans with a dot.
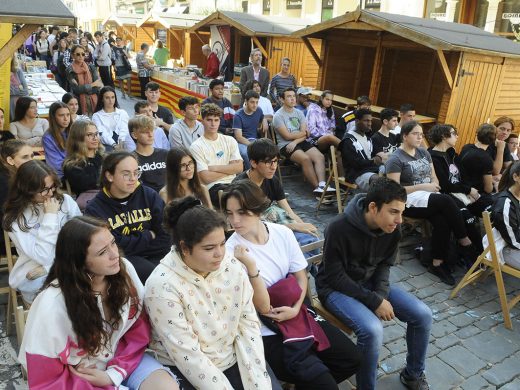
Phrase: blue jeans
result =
(243, 153)
(369, 331)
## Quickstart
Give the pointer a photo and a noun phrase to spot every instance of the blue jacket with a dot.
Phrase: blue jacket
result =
(132, 222)
(54, 155)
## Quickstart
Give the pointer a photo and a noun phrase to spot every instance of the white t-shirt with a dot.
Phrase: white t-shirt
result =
(219, 152)
(275, 259)
(266, 106)
(396, 130)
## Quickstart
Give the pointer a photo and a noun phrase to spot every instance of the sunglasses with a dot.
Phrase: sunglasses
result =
(80, 54)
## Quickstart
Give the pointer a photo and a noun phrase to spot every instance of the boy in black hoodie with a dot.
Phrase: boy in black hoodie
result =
(133, 212)
(352, 282)
(356, 152)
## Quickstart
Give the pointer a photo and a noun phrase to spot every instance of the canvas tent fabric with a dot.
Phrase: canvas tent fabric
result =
(36, 12)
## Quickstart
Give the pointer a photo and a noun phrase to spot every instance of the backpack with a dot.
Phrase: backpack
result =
(38, 45)
(61, 65)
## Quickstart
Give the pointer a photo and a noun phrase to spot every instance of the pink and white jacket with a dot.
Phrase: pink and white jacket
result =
(50, 346)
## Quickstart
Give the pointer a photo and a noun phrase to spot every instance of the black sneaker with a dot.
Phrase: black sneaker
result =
(442, 273)
(414, 383)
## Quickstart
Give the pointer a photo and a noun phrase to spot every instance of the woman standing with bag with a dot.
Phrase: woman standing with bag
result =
(122, 66)
(84, 80)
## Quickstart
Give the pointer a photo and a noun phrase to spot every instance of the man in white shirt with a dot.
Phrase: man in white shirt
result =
(217, 155)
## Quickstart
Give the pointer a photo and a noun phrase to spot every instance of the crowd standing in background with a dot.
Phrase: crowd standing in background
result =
(224, 299)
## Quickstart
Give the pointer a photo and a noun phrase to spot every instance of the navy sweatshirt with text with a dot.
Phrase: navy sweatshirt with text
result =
(131, 221)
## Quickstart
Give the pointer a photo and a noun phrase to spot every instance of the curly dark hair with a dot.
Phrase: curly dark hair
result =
(27, 182)
(69, 273)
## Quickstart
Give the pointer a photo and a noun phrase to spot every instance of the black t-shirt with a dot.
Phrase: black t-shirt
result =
(381, 143)
(165, 114)
(474, 164)
(272, 187)
(492, 151)
(153, 169)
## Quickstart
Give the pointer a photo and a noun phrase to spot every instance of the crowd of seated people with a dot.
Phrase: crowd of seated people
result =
(152, 263)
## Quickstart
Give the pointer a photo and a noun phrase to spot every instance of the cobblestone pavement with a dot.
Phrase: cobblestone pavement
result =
(469, 347)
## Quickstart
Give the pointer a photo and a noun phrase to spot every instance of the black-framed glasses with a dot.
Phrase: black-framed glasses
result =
(93, 135)
(82, 54)
(47, 190)
(186, 166)
(272, 163)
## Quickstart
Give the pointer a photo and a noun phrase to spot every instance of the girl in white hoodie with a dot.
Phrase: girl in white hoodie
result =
(111, 121)
(35, 211)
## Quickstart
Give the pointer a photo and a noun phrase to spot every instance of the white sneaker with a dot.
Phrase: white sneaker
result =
(330, 190)
(318, 191)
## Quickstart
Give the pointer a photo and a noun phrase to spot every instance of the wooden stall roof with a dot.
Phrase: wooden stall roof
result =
(123, 19)
(36, 12)
(171, 20)
(253, 25)
(431, 33)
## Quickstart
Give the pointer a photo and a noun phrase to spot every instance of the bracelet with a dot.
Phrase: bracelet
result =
(254, 276)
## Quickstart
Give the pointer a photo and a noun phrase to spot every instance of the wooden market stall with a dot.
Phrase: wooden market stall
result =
(453, 73)
(30, 14)
(125, 26)
(181, 43)
(271, 35)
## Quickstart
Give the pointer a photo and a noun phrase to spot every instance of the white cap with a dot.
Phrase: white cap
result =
(304, 91)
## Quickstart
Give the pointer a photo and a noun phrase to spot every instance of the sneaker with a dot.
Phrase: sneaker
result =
(318, 191)
(442, 273)
(330, 190)
(413, 383)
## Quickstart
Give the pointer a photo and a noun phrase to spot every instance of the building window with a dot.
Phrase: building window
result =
(374, 5)
(245, 6)
(294, 4)
(447, 11)
(327, 4)
(267, 6)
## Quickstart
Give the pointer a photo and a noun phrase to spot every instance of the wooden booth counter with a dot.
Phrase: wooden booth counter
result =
(175, 86)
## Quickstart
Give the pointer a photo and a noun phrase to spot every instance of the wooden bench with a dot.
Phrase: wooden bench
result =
(347, 102)
(318, 306)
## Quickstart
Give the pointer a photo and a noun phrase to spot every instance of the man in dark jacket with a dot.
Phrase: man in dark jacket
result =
(360, 247)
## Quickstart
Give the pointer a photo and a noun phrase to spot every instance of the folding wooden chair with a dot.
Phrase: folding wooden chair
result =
(13, 301)
(484, 266)
(338, 183)
(320, 309)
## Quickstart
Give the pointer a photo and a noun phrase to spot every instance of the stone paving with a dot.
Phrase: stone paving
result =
(469, 347)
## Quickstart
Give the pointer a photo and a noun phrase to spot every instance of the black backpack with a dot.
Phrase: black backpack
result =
(61, 65)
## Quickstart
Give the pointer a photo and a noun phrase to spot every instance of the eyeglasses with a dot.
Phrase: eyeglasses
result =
(130, 175)
(82, 54)
(186, 166)
(272, 163)
(47, 190)
(93, 135)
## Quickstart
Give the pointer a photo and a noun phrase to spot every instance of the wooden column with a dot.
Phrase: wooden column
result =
(377, 71)
(445, 67)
